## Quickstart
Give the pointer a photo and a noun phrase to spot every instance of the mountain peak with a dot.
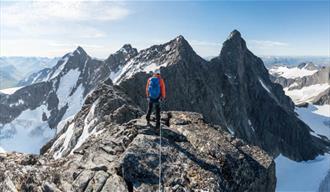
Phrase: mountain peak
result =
(308, 66)
(181, 40)
(235, 34)
(181, 43)
(128, 49)
(234, 43)
(80, 51)
(127, 46)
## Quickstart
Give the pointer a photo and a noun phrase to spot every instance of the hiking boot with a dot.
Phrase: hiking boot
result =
(157, 126)
(148, 121)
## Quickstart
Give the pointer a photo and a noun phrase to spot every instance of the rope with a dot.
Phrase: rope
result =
(160, 161)
(160, 155)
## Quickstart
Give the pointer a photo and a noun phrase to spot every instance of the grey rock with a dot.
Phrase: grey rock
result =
(208, 159)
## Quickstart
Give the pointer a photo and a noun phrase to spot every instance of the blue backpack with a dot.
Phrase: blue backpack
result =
(154, 88)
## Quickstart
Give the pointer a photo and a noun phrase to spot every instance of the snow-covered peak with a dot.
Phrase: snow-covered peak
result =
(153, 58)
(70, 61)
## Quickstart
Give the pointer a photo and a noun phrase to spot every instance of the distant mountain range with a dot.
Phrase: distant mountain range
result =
(15, 69)
(19, 71)
(304, 83)
(295, 60)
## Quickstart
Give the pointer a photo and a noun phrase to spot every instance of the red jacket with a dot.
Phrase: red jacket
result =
(162, 86)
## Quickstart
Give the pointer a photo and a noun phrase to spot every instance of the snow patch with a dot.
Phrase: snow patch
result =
(306, 94)
(9, 91)
(168, 47)
(115, 75)
(291, 73)
(67, 137)
(35, 78)
(20, 102)
(250, 124)
(123, 50)
(2, 150)
(88, 123)
(264, 85)
(75, 101)
(67, 83)
(62, 123)
(27, 133)
(60, 68)
(153, 67)
(231, 130)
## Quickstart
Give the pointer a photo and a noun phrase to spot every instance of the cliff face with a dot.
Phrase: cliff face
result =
(233, 90)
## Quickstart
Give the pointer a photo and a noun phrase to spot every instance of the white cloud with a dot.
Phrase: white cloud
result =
(267, 47)
(206, 48)
(205, 43)
(54, 18)
(70, 45)
(17, 13)
(267, 43)
(38, 24)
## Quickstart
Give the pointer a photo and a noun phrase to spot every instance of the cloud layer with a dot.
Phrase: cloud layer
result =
(50, 23)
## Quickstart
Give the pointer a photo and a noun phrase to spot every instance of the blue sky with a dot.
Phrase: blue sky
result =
(296, 28)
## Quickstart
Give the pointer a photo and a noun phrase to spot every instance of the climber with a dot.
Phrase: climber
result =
(155, 91)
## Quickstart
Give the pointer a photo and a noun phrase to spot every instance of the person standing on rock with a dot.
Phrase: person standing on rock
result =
(155, 91)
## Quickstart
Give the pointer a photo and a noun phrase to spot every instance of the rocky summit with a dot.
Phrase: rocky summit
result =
(191, 155)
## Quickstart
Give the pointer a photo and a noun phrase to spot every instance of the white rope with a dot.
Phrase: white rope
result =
(160, 159)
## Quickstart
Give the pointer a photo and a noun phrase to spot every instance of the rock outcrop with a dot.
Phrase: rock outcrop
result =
(105, 105)
(195, 156)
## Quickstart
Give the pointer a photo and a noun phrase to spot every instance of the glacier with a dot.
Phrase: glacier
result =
(306, 175)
